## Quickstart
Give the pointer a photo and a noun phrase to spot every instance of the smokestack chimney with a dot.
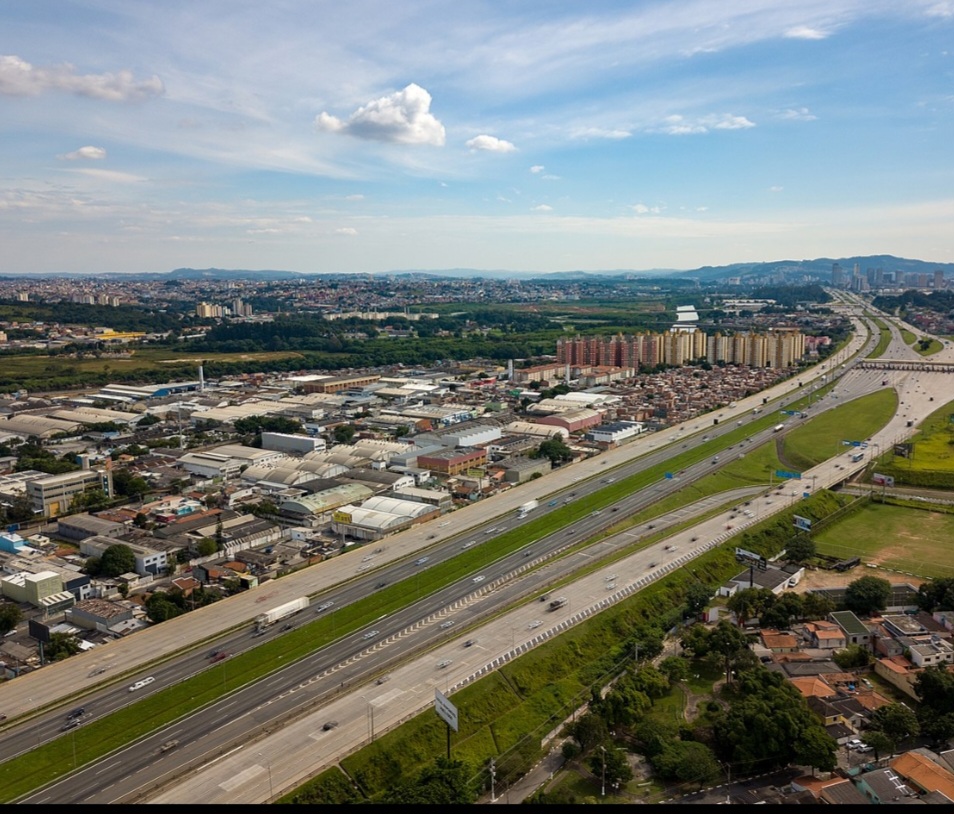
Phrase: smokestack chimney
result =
(201, 379)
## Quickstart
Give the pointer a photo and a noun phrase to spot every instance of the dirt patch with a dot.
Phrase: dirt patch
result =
(820, 578)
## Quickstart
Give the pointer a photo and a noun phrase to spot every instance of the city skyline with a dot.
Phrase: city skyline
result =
(539, 137)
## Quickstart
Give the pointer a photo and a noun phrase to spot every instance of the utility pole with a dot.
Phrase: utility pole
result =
(493, 778)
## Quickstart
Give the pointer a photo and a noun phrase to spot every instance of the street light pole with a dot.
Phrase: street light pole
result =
(603, 788)
(268, 764)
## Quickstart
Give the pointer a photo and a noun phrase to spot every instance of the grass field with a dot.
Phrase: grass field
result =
(933, 445)
(884, 339)
(916, 541)
(933, 347)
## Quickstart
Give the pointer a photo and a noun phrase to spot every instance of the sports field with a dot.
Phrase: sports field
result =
(914, 541)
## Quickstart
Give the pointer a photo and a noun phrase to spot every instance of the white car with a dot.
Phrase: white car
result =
(445, 663)
(370, 634)
(140, 684)
(534, 624)
(479, 578)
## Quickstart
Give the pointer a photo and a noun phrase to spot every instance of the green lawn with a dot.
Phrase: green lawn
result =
(897, 538)
(929, 348)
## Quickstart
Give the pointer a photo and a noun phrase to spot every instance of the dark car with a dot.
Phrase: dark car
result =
(222, 654)
(79, 712)
(381, 585)
(287, 626)
(329, 725)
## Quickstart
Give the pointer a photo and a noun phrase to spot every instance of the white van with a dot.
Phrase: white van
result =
(143, 683)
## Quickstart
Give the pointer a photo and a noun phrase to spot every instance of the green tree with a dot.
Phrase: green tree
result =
(61, 646)
(117, 559)
(880, 742)
(344, 433)
(867, 594)
(10, 617)
(750, 603)
(800, 549)
(589, 730)
(686, 762)
(816, 748)
(787, 608)
(727, 642)
(555, 449)
(654, 683)
(127, 484)
(897, 721)
(816, 605)
(852, 657)
(695, 641)
(160, 607)
(446, 782)
(676, 669)
(206, 547)
(938, 594)
(698, 597)
(609, 763)
(89, 500)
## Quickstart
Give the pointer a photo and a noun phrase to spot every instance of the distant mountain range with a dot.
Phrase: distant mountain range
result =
(820, 267)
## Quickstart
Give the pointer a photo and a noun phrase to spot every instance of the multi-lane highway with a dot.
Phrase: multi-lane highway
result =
(330, 682)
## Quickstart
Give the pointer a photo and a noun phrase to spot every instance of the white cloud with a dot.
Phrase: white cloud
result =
(600, 132)
(943, 8)
(491, 144)
(642, 209)
(355, 197)
(801, 114)
(347, 231)
(112, 176)
(402, 117)
(541, 208)
(19, 78)
(90, 153)
(677, 125)
(804, 32)
(537, 168)
(776, 188)
(729, 122)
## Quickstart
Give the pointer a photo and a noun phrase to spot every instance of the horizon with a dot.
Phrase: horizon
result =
(663, 135)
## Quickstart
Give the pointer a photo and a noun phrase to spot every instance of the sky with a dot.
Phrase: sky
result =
(539, 135)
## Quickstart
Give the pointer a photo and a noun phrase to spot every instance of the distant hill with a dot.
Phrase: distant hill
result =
(820, 267)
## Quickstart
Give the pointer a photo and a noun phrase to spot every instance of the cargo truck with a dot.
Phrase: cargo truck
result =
(268, 618)
(559, 602)
(527, 507)
(778, 428)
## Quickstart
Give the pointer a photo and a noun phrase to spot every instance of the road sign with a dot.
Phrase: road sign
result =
(669, 475)
(446, 711)
(802, 523)
(781, 473)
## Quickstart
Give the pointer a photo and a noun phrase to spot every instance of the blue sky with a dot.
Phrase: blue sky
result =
(428, 134)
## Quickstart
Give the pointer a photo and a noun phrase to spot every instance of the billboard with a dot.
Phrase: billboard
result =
(39, 630)
(882, 480)
(802, 523)
(781, 473)
(446, 711)
(341, 517)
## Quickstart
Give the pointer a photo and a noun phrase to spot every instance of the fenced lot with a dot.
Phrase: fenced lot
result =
(914, 541)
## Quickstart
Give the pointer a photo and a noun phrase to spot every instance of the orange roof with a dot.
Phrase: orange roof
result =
(813, 686)
(924, 773)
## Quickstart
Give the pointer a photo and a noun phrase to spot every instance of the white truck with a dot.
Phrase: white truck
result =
(527, 507)
(270, 617)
